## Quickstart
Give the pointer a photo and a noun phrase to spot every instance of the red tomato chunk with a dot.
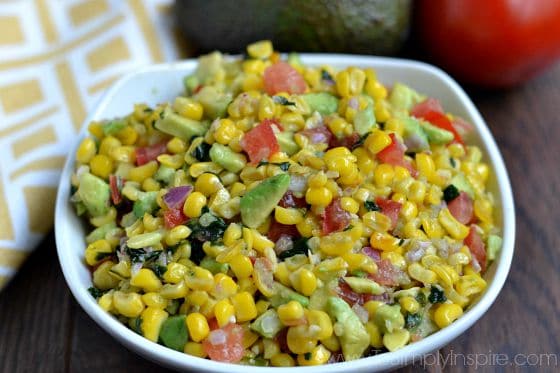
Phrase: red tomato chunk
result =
(282, 77)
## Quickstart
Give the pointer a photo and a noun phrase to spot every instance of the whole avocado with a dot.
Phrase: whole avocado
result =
(352, 26)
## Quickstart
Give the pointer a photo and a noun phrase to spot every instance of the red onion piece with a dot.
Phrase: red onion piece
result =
(175, 198)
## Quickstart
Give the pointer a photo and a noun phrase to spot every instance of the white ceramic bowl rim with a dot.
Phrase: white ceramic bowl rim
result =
(385, 361)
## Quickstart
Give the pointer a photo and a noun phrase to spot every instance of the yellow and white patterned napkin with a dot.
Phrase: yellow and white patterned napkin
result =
(56, 59)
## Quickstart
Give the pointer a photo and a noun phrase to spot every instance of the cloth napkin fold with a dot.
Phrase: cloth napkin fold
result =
(56, 59)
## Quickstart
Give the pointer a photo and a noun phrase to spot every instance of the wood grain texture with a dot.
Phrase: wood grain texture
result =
(43, 328)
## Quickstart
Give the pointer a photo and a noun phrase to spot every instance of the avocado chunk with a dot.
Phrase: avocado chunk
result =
(213, 101)
(227, 158)
(164, 174)
(403, 97)
(287, 143)
(100, 232)
(389, 318)
(463, 184)
(323, 102)
(113, 126)
(364, 121)
(436, 135)
(268, 324)
(414, 136)
(283, 294)
(493, 246)
(354, 339)
(94, 193)
(260, 201)
(146, 203)
(174, 333)
(175, 125)
(213, 266)
(364, 285)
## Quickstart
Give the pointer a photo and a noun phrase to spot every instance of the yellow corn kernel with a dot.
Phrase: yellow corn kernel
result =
(318, 356)
(382, 114)
(197, 326)
(372, 306)
(349, 204)
(224, 286)
(224, 312)
(171, 161)
(207, 184)
(146, 279)
(425, 165)
(307, 225)
(401, 174)
(409, 210)
(152, 319)
(320, 324)
(96, 251)
(336, 244)
(199, 278)
(470, 284)
(260, 242)
(376, 90)
(177, 146)
(175, 273)
(419, 273)
(267, 107)
(282, 360)
(375, 337)
(446, 313)
(241, 266)
(455, 229)
(195, 349)
(247, 284)
(198, 298)
(177, 234)
(140, 173)
(384, 174)
(288, 216)
(282, 274)
(232, 234)
(128, 304)
(376, 221)
(96, 129)
(396, 339)
(432, 228)
(434, 196)
(107, 144)
(226, 131)
(106, 301)
(252, 82)
(188, 108)
(416, 191)
(237, 189)
(174, 291)
(377, 141)
(304, 281)
(260, 49)
(298, 341)
(262, 306)
(409, 304)
(86, 150)
(244, 304)
(394, 125)
(194, 204)
(360, 262)
(154, 300)
(101, 165)
(384, 241)
(483, 210)
(123, 154)
(447, 275)
(127, 135)
(290, 313)
(395, 258)
(104, 279)
(318, 196)
(456, 150)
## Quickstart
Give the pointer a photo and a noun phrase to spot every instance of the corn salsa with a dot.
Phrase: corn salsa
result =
(278, 214)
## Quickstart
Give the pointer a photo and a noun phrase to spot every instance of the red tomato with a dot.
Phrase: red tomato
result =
(260, 142)
(150, 153)
(346, 293)
(277, 230)
(174, 217)
(427, 106)
(394, 154)
(491, 43)
(334, 217)
(231, 349)
(390, 208)
(387, 274)
(348, 141)
(462, 208)
(476, 246)
(462, 126)
(115, 182)
(281, 77)
(318, 135)
(290, 200)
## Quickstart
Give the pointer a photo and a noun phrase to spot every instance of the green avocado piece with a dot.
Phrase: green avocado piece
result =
(209, 66)
(260, 201)
(213, 101)
(493, 246)
(364, 285)
(113, 126)
(227, 158)
(287, 143)
(174, 333)
(414, 136)
(389, 318)
(100, 232)
(146, 203)
(461, 182)
(213, 266)
(94, 193)
(191, 82)
(164, 174)
(364, 121)
(284, 295)
(268, 324)
(354, 338)
(436, 135)
(323, 102)
(176, 125)
(294, 59)
(403, 97)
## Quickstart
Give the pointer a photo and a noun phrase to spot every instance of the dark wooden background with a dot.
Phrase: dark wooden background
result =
(42, 328)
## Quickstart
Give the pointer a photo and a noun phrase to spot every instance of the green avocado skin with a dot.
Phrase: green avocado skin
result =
(351, 26)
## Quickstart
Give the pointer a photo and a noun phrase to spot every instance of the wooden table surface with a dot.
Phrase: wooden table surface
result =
(43, 329)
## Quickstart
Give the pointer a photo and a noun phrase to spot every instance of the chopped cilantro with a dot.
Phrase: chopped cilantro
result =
(101, 256)
(300, 247)
(326, 76)
(371, 206)
(360, 141)
(213, 231)
(284, 166)
(401, 241)
(452, 161)
(307, 356)
(95, 292)
(450, 193)
(202, 152)
(412, 320)
(137, 325)
(159, 270)
(421, 298)
(173, 306)
(436, 295)
(281, 100)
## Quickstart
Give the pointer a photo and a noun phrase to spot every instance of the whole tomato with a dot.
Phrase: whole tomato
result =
(493, 43)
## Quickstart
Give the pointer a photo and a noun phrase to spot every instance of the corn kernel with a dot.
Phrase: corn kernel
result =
(225, 313)
(152, 319)
(244, 305)
(86, 150)
(375, 337)
(194, 204)
(146, 279)
(409, 304)
(241, 266)
(101, 165)
(207, 184)
(197, 326)
(261, 49)
(195, 349)
(377, 141)
(304, 281)
(318, 356)
(140, 173)
(290, 313)
(128, 304)
(446, 313)
(318, 196)
(154, 300)
(282, 360)
(288, 216)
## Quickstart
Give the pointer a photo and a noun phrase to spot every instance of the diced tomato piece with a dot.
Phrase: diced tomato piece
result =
(346, 293)
(394, 154)
(282, 77)
(150, 153)
(425, 107)
(372, 253)
(462, 126)
(318, 135)
(231, 349)
(443, 122)
(390, 208)
(461, 208)
(277, 230)
(347, 142)
(476, 246)
(290, 200)
(387, 274)
(260, 142)
(335, 218)
(115, 183)
(213, 324)
(174, 217)
(282, 339)
(274, 121)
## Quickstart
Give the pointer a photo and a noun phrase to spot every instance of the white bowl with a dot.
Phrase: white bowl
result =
(161, 83)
